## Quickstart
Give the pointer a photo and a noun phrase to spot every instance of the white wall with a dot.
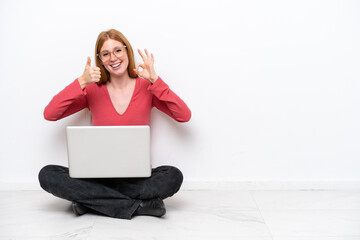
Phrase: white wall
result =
(273, 85)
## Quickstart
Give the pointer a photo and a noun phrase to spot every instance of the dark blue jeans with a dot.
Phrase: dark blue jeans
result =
(114, 197)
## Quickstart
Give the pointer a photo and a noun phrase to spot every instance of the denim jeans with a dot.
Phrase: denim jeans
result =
(114, 197)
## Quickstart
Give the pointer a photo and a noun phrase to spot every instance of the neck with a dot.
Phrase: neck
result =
(120, 82)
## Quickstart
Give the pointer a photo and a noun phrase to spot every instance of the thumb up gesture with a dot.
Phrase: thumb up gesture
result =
(91, 74)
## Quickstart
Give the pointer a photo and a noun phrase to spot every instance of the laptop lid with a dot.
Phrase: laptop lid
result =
(108, 151)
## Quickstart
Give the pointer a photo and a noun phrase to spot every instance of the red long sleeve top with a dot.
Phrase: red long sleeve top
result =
(97, 99)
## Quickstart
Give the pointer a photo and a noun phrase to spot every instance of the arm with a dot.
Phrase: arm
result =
(164, 99)
(168, 102)
(69, 101)
(72, 98)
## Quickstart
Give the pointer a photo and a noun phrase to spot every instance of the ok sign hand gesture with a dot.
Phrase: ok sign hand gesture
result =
(148, 71)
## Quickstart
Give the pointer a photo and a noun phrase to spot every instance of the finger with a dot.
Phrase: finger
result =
(92, 70)
(147, 53)
(142, 55)
(95, 69)
(93, 74)
(137, 69)
(152, 58)
(88, 63)
(139, 65)
(95, 77)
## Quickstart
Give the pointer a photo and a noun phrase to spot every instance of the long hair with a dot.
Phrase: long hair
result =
(118, 36)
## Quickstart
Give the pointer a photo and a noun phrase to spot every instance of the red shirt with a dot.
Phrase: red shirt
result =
(97, 99)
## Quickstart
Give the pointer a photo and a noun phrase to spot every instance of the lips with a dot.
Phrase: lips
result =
(115, 65)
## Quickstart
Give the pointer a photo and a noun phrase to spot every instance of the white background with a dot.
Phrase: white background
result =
(273, 85)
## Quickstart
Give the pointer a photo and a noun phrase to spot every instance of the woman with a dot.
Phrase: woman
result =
(117, 93)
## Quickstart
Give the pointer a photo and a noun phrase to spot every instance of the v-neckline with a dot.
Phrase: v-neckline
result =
(131, 99)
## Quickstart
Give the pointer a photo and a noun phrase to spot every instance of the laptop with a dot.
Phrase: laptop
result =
(108, 151)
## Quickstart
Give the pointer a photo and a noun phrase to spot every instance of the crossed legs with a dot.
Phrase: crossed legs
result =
(114, 197)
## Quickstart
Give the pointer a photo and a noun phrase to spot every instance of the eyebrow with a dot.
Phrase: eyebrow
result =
(113, 48)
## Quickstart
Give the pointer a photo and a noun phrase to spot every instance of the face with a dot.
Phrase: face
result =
(114, 57)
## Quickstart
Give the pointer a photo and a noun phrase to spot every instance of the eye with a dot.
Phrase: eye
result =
(104, 54)
(118, 50)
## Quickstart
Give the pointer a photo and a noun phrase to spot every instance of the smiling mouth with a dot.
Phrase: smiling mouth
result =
(116, 65)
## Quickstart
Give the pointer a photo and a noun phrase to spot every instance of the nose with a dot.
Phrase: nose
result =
(113, 57)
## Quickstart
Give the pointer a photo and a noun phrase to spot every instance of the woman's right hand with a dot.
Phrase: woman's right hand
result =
(91, 74)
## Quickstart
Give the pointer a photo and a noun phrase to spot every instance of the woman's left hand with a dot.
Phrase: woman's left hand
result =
(148, 71)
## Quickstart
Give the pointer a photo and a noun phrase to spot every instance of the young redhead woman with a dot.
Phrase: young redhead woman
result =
(117, 92)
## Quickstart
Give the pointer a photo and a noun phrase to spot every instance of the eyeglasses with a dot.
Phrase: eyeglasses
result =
(105, 55)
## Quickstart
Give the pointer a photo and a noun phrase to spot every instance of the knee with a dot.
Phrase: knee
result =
(174, 178)
(44, 176)
(47, 175)
(177, 177)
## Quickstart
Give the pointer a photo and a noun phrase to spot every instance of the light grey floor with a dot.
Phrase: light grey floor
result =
(211, 214)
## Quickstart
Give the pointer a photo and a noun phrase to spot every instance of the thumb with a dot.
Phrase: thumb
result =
(88, 63)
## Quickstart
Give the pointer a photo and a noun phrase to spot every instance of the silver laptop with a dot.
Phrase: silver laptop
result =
(109, 151)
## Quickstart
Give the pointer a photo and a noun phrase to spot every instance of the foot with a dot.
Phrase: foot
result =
(153, 207)
(78, 209)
